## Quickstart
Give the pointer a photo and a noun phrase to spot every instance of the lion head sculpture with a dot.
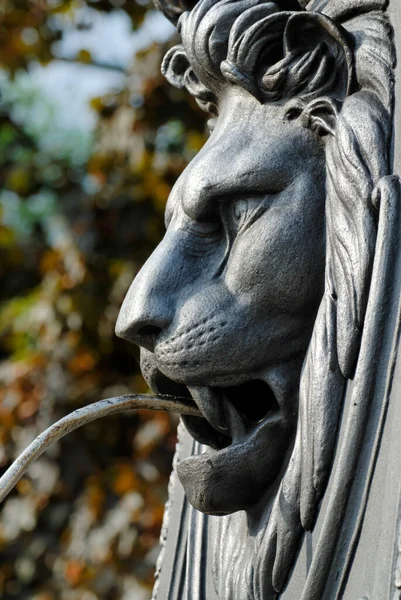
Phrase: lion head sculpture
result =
(254, 302)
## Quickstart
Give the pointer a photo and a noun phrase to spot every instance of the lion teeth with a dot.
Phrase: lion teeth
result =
(236, 423)
(219, 411)
(212, 406)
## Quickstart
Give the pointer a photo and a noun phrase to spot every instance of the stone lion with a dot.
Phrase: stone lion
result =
(254, 302)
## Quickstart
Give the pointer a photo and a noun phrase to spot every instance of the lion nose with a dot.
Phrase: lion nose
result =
(146, 311)
(141, 319)
(143, 316)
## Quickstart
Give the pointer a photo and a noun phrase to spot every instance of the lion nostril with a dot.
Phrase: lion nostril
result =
(149, 331)
(147, 335)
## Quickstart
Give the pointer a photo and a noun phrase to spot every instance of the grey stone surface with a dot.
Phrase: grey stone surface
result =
(272, 302)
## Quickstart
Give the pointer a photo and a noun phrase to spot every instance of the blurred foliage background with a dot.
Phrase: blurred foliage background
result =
(91, 141)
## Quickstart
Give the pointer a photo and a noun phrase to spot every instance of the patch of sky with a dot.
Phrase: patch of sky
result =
(108, 37)
(169, 136)
(32, 102)
(52, 102)
(22, 216)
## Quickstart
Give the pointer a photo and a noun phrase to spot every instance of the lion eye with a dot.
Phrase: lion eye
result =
(239, 212)
(242, 213)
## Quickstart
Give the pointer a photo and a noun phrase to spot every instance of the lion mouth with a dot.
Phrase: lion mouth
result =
(230, 413)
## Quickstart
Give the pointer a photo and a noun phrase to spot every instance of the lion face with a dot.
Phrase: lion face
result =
(224, 307)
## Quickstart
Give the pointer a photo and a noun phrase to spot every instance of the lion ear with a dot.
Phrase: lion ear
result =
(178, 71)
(175, 66)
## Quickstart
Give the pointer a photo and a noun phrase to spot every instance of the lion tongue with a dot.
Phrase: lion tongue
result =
(212, 406)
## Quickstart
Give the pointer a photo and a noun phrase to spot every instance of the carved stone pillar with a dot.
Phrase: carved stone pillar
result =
(273, 302)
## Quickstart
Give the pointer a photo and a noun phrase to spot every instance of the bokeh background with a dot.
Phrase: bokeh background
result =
(91, 141)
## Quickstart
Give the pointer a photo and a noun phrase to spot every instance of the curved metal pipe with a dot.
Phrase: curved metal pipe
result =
(84, 415)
